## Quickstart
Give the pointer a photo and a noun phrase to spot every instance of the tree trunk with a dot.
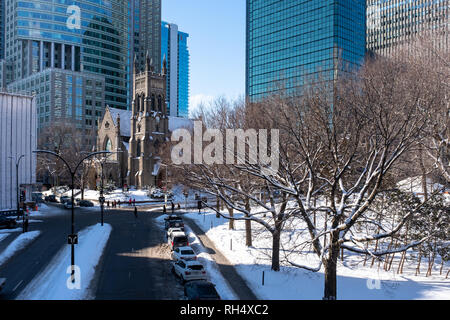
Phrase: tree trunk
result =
(276, 250)
(424, 176)
(330, 264)
(218, 207)
(418, 263)
(231, 220)
(248, 226)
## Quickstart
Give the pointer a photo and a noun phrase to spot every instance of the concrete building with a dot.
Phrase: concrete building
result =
(395, 22)
(18, 137)
(174, 48)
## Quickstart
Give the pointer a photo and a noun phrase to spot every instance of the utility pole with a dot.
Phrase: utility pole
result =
(17, 163)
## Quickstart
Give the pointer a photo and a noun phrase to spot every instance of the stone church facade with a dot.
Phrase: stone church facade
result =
(135, 135)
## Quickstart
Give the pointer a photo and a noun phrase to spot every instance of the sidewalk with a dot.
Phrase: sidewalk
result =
(236, 282)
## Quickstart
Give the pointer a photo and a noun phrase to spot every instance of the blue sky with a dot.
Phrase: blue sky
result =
(216, 43)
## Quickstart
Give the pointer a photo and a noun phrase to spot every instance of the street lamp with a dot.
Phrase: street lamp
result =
(73, 239)
(17, 163)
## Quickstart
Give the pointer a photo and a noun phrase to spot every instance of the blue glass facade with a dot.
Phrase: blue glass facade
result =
(100, 46)
(290, 42)
(174, 48)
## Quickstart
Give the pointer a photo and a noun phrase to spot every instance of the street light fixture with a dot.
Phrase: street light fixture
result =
(73, 239)
(17, 163)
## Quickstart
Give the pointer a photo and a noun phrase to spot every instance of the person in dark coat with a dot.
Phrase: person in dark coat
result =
(135, 212)
(164, 209)
(173, 208)
(134, 202)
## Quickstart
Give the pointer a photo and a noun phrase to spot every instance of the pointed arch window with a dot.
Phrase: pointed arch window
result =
(138, 149)
(108, 145)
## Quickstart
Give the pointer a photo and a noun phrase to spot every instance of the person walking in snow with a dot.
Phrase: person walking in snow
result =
(134, 202)
(135, 212)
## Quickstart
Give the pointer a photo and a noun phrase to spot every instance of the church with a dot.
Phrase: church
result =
(134, 136)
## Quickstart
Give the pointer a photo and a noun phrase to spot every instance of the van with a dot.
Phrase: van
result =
(178, 239)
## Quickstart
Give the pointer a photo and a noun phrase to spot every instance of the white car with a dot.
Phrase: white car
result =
(189, 270)
(172, 230)
(183, 253)
(177, 240)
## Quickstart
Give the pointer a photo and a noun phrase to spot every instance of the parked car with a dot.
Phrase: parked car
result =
(51, 198)
(85, 203)
(183, 253)
(64, 199)
(172, 230)
(68, 204)
(178, 239)
(6, 222)
(189, 270)
(173, 222)
(200, 290)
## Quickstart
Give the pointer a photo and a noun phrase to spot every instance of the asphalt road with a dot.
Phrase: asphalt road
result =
(135, 264)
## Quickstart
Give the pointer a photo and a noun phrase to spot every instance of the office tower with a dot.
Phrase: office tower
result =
(73, 58)
(175, 49)
(290, 42)
(2, 29)
(395, 22)
(144, 37)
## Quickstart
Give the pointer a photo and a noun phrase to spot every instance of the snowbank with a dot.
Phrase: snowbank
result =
(18, 244)
(51, 284)
(354, 280)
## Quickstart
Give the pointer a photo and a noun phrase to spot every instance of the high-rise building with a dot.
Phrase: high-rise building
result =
(291, 42)
(395, 22)
(144, 29)
(72, 57)
(2, 29)
(174, 48)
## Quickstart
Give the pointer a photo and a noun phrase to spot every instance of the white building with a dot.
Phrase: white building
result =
(18, 136)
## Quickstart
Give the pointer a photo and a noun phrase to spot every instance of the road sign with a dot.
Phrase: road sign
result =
(73, 239)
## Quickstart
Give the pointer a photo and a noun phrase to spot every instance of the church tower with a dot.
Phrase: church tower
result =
(149, 124)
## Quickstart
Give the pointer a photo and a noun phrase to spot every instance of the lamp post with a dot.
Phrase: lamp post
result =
(72, 237)
(17, 163)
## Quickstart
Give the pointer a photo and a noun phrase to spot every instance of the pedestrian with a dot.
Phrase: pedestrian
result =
(26, 223)
(179, 206)
(118, 204)
(164, 209)
(134, 202)
(129, 202)
(135, 212)
(107, 204)
(173, 208)
(114, 203)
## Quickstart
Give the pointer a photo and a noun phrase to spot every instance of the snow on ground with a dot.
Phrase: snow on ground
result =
(3, 236)
(222, 287)
(51, 284)
(18, 244)
(354, 280)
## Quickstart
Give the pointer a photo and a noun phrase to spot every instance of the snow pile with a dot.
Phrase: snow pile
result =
(51, 284)
(21, 242)
(355, 281)
(222, 287)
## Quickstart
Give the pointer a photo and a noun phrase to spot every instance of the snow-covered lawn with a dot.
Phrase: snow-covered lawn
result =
(51, 284)
(222, 287)
(355, 281)
(22, 241)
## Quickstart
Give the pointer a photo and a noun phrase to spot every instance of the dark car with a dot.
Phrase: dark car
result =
(6, 222)
(173, 222)
(51, 198)
(85, 203)
(64, 199)
(200, 290)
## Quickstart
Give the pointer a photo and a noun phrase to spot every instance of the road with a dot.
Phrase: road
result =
(135, 264)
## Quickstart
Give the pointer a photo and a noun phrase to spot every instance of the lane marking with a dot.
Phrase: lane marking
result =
(17, 285)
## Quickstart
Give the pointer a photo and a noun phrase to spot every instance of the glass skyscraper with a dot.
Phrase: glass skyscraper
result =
(174, 48)
(394, 22)
(291, 42)
(71, 56)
